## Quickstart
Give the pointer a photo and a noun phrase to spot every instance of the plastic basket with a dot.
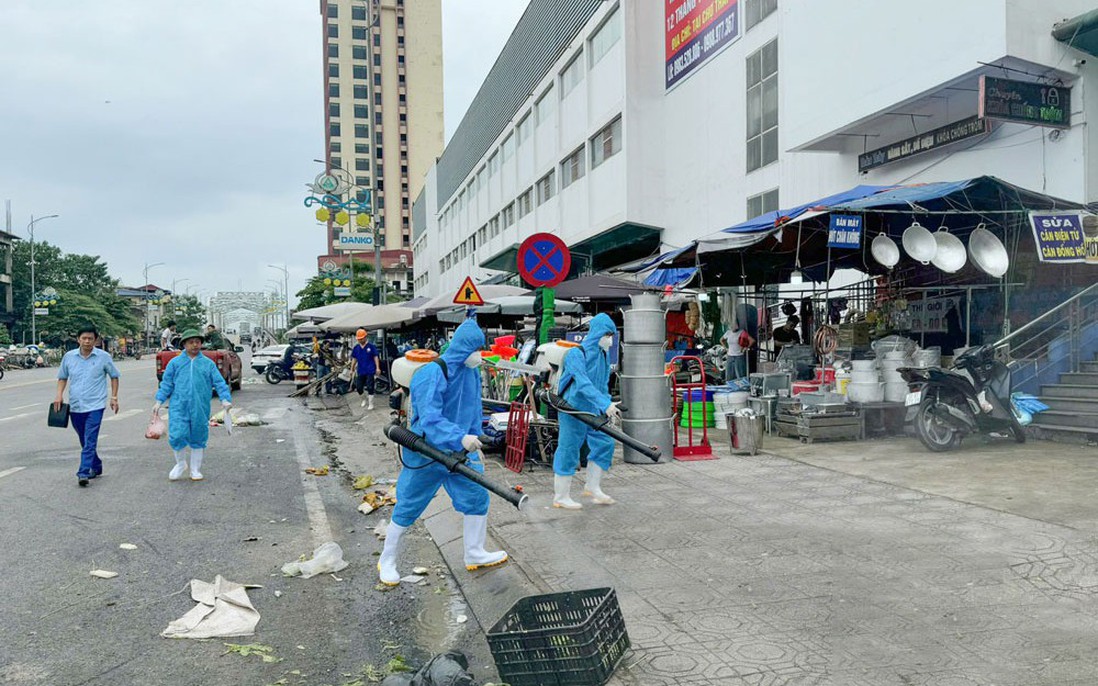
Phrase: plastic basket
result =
(574, 638)
(697, 415)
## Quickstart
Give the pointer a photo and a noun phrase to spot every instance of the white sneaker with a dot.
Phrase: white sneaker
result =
(594, 485)
(196, 463)
(561, 498)
(476, 557)
(386, 564)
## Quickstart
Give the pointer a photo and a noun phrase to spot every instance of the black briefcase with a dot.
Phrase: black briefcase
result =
(58, 418)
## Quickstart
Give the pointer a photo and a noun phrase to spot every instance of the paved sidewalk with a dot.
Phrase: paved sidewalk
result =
(767, 570)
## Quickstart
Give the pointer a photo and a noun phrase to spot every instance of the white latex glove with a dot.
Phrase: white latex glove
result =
(614, 413)
(156, 407)
(471, 443)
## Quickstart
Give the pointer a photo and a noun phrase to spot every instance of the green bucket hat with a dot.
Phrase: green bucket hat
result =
(192, 333)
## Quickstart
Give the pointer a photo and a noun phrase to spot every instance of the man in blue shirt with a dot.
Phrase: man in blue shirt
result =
(365, 362)
(85, 371)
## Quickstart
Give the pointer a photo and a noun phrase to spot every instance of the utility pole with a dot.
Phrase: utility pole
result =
(285, 290)
(146, 303)
(34, 315)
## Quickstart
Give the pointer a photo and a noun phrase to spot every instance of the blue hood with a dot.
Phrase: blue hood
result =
(468, 338)
(601, 325)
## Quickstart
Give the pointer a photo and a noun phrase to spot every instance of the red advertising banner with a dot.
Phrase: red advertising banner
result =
(695, 31)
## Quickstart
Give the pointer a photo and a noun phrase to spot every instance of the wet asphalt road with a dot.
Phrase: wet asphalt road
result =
(60, 626)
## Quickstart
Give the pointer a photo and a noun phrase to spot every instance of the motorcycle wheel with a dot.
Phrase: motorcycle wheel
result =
(1, 372)
(273, 376)
(1016, 430)
(932, 432)
(381, 385)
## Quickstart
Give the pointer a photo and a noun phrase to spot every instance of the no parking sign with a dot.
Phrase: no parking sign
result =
(544, 260)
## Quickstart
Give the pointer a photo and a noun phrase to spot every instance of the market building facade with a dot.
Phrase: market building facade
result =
(629, 131)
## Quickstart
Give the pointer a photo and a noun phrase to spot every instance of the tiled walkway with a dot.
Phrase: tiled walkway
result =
(763, 570)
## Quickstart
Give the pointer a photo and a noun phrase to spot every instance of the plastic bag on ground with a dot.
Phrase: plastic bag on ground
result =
(327, 558)
(447, 669)
(156, 427)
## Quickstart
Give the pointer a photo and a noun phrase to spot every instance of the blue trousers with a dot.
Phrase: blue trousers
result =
(573, 433)
(735, 367)
(417, 485)
(87, 426)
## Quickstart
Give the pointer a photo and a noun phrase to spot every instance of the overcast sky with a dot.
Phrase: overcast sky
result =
(184, 132)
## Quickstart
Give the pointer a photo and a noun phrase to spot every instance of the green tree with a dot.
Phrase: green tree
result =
(316, 293)
(5, 337)
(188, 312)
(87, 294)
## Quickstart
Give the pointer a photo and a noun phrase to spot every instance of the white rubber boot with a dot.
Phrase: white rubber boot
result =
(180, 467)
(196, 463)
(476, 557)
(386, 564)
(561, 498)
(594, 485)
(370, 404)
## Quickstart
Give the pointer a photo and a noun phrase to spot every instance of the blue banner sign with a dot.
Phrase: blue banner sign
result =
(1059, 236)
(845, 231)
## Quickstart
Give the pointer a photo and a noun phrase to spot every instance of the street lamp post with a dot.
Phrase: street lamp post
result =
(34, 316)
(285, 290)
(146, 304)
(278, 296)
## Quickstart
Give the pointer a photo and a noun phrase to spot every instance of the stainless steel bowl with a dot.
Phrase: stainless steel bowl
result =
(884, 250)
(950, 256)
(919, 243)
(987, 252)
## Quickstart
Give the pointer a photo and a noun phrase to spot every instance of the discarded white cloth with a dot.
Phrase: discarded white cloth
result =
(223, 609)
(327, 558)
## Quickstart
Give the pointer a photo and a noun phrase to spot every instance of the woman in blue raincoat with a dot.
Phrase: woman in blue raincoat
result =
(446, 410)
(189, 380)
(584, 384)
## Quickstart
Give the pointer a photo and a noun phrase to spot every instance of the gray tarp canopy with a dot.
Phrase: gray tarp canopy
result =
(380, 317)
(326, 312)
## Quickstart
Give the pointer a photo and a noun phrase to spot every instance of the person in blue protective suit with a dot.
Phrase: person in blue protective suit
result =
(445, 400)
(189, 380)
(584, 384)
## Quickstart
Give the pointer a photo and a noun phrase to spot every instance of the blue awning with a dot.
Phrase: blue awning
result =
(670, 277)
(770, 220)
(904, 195)
(670, 255)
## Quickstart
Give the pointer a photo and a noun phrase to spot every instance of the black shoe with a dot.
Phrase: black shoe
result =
(82, 481)
(96, 475)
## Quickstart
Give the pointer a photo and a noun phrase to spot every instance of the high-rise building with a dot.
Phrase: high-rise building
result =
(383, 99)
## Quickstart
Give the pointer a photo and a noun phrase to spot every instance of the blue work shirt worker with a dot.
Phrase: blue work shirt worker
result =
(446, 411)
(584, 384)
(366, 361)
(85, 371)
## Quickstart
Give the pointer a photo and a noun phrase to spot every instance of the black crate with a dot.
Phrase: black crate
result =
(575, 638)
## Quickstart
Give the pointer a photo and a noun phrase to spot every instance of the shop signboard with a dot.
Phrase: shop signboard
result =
(342, 291)
(1060, 236)
(1025, 102)
(350, 241)
(41, 311)
(930, 315)
(845, 231)
(924, 142)
(694, 32)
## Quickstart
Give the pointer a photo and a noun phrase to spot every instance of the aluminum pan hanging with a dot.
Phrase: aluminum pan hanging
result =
(919, 243)
(885, 251)
(987, 252)
(950, 256)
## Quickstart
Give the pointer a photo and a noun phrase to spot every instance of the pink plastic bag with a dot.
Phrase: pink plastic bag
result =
(156, 427)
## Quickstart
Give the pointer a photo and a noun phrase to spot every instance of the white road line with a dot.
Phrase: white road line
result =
(23, 407)
(314, 505)
(9, 472)
(5, 386)
(16, 416)
(123, 415)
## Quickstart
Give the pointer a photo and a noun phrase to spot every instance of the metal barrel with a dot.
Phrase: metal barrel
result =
(598, 423)
(657, 432)
(455, 462)
(647, 397)
(643, 359)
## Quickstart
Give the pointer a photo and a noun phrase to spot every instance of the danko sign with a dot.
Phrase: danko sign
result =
(1025, 102)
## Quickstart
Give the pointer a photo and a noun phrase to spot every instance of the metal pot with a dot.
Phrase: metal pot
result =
(895, 391)
(646, 396)
(645, 325)
(950, 256)
(885, 251)
(987, 252)
(919, 243)
(865, 392)
(657, 432)
(643, 359)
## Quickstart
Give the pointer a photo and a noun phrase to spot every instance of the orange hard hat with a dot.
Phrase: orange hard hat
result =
(361, 333)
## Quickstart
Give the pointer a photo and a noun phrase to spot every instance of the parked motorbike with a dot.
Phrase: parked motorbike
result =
(3, 365)
(972, 396)
(279, 371)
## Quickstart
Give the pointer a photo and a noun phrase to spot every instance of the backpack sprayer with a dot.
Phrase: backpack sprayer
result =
(598, 423)
(455, 462)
